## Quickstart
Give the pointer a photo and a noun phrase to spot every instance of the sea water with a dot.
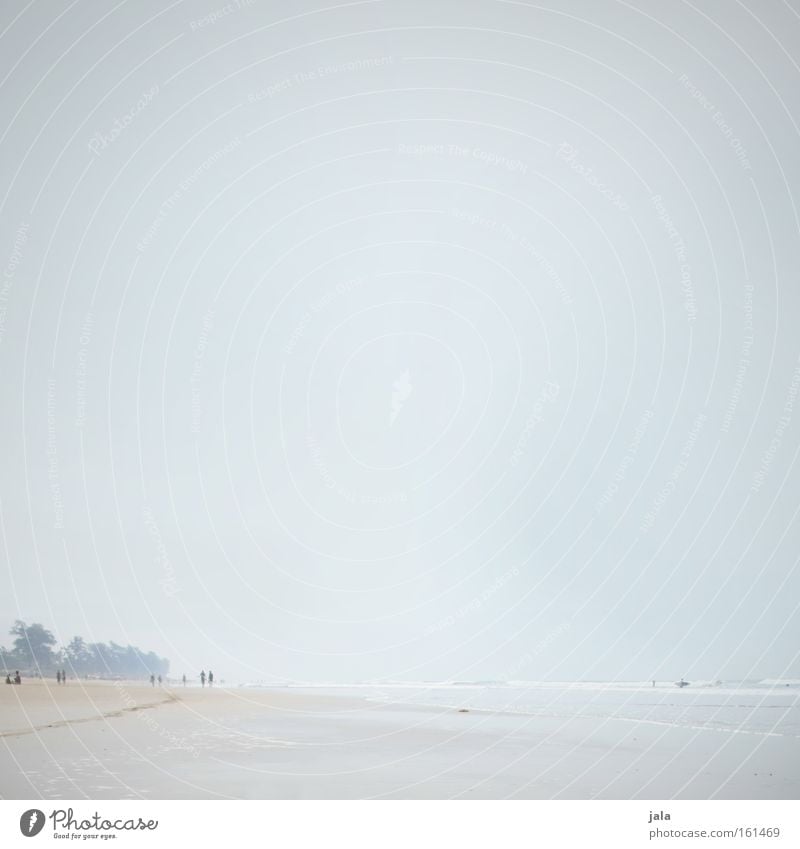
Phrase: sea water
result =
(743, 707)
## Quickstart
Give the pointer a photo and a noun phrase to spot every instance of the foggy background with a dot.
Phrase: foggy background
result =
(404, 340)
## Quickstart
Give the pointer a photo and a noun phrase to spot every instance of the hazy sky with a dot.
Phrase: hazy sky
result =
(404, 340)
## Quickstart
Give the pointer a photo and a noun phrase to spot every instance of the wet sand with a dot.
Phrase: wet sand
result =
(127, 740)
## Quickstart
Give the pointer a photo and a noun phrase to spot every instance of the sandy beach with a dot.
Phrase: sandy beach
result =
(129, 740)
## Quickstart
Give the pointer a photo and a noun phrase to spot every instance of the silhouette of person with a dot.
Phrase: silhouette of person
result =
(63, 676)
(152, 680)
(184, 680)
(203, 678)
(210, 678)
(58, 676)
(8, 679)
(17, 679)
(159, 680)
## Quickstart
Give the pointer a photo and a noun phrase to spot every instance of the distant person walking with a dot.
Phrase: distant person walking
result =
(63, 676)
(17, 679)
(184, 680)
(210, 678)
(159, 680)
(152, 680)
(58, 677)
(202, 678)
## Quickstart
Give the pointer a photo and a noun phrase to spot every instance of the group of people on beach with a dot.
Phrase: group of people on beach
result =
(61, 678)
(203, 679)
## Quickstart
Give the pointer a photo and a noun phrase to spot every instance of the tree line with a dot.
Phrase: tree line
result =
(35, 650)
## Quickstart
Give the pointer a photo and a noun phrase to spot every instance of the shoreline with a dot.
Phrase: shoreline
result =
(37, 704)
(128, 740)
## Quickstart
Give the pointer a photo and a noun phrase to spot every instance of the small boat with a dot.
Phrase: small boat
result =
(681, 683)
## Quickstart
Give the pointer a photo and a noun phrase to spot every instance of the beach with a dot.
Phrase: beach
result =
(128, 740)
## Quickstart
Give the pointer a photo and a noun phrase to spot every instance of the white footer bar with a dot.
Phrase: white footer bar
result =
(389, 824)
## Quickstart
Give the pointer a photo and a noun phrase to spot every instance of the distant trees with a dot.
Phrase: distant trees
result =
(34, 646)
(35, 650)
(112, 659)
(77, 655)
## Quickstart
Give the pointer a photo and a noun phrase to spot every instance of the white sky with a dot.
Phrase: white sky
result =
(405, 340)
